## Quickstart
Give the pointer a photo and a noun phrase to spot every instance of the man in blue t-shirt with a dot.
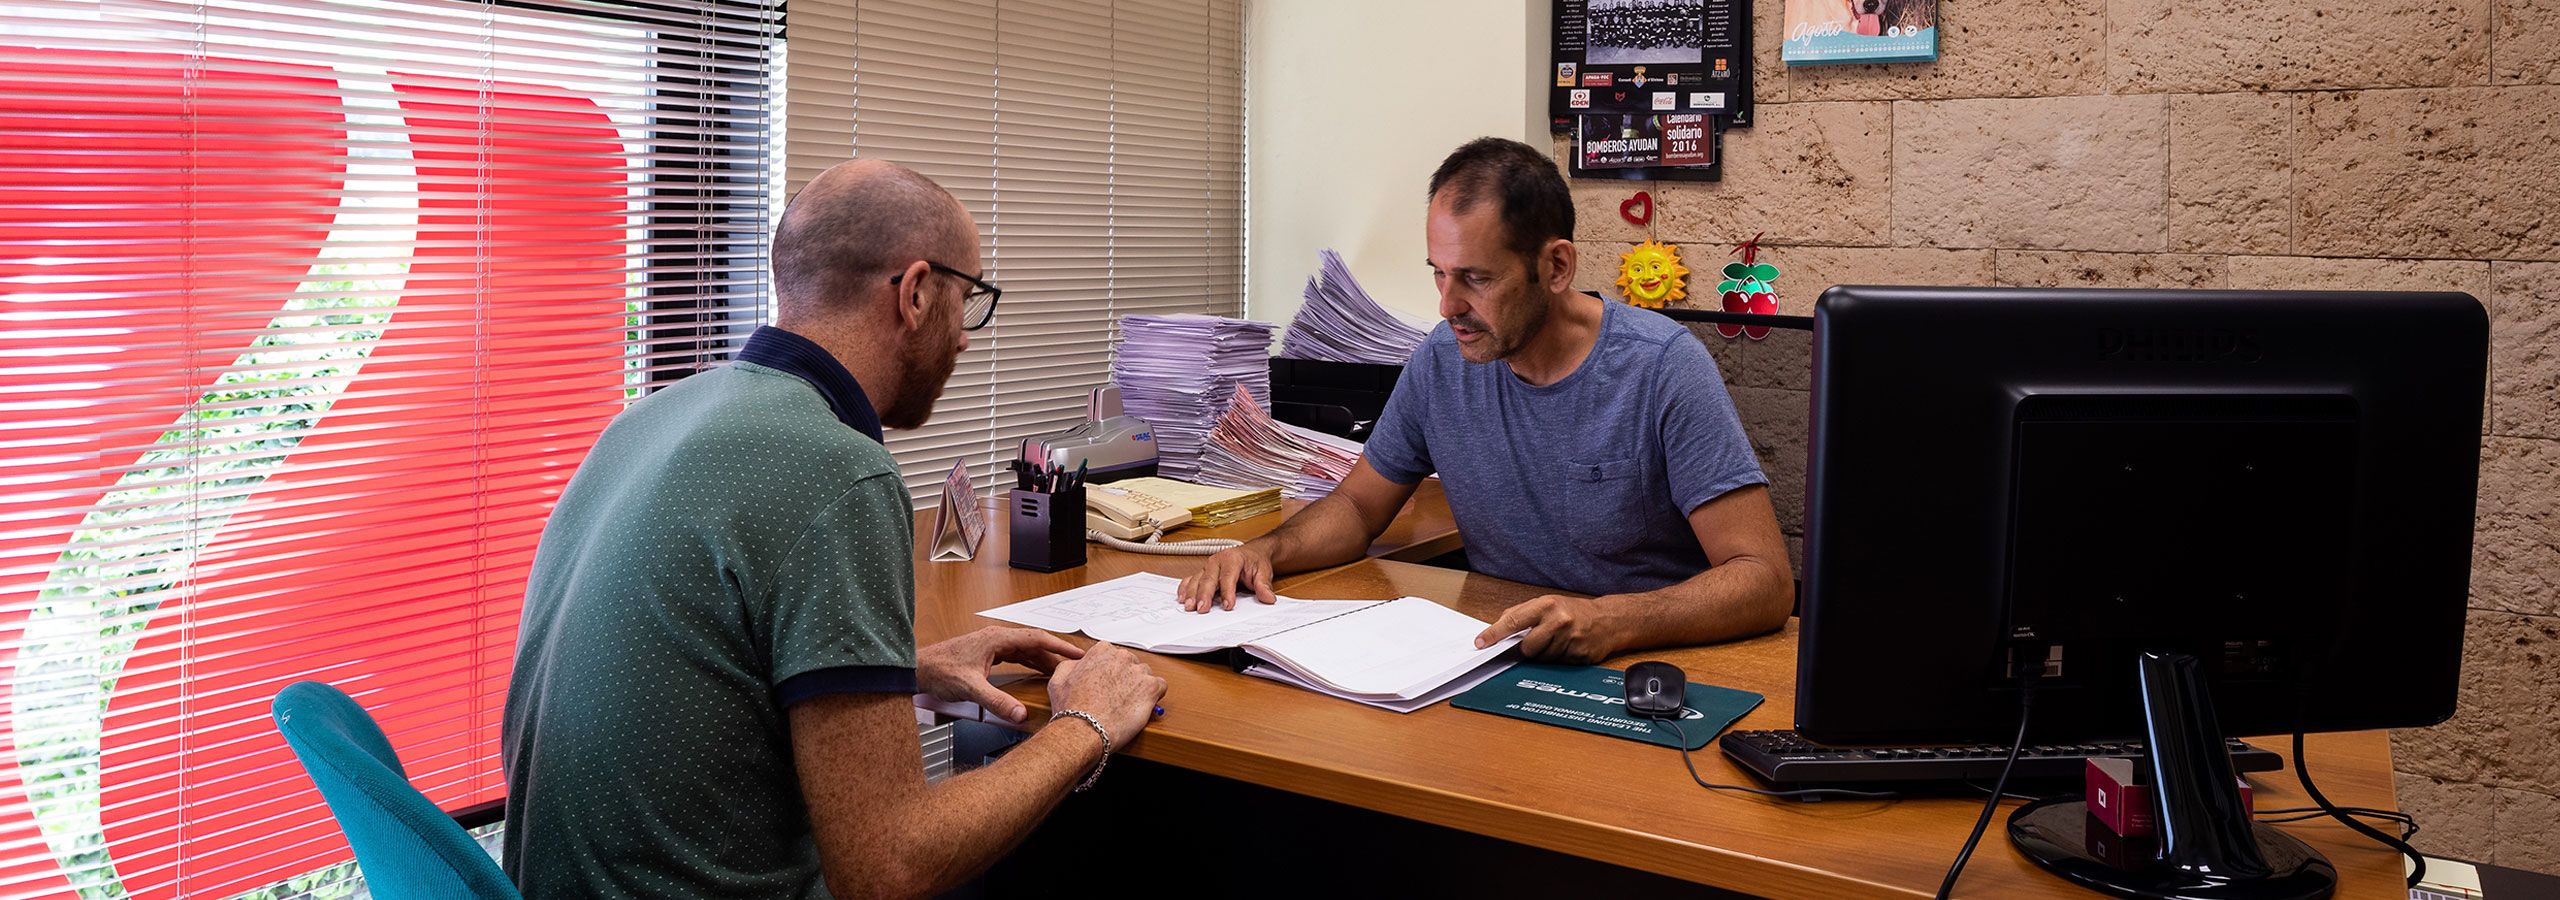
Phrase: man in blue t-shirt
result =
(1585, 445)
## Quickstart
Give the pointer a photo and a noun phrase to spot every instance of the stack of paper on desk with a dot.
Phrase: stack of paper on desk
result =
(1210, 506)
(1401, 654)
(1341, 323)
(1248, 448)
(1176, 372)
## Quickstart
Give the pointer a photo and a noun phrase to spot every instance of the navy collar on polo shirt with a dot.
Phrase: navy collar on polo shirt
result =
(774, 348)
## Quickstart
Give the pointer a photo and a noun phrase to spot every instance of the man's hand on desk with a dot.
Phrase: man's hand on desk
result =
(1561, 629)
(1216, 583)
(956, 669)
(1112, 683)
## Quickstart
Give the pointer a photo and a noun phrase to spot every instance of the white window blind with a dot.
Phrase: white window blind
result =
(1099, 143)
(308, 309)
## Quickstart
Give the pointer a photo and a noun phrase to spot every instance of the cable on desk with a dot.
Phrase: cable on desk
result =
(1990, 804)
(2302, 770)
(1798, 794)
(1155, 543)
(1980, 788)
(2408, 825)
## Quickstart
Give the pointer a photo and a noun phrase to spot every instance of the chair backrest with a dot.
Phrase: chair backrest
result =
(407, 848)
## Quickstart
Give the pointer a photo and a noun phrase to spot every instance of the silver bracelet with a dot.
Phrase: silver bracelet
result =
(1088, 718)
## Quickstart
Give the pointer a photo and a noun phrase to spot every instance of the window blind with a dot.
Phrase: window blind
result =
(311, 308)
(1099, 143)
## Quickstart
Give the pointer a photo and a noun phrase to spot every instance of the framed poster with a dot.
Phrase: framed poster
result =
(1647, 146)
(1651, 56)
(1820, 32)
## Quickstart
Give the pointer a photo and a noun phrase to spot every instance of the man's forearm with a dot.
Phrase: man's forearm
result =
(967, 822)
(1741, 598)
(1327, 532)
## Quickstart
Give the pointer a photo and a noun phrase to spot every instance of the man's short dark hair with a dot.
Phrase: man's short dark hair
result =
(1536, 206)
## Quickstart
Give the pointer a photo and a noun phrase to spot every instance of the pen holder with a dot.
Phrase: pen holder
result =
(1048, 529)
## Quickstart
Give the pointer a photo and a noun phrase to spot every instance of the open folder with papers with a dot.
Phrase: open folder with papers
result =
(1401, 654)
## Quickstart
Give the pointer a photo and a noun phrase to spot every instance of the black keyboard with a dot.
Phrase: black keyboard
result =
(1786, 758)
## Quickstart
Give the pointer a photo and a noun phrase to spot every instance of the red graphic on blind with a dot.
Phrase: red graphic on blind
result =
(368, 561)
(218, 167)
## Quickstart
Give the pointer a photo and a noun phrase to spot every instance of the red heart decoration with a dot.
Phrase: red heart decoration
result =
(1641, 213)
(1762, 304)
(1734, 302)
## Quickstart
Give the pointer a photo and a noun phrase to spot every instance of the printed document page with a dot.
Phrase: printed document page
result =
(1141, 611)
(1464, 684)
(1400, 650)
(1400, 654)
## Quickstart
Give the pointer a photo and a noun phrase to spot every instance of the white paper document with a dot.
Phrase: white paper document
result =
(1400, 654)
(1141, 611)
(1400, 650)
(1481, 674)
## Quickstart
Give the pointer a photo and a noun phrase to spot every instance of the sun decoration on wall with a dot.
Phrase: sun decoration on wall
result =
(1651, 275)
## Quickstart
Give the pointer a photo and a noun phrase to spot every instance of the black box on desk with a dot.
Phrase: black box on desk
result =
(1048, 529)
(1338, 398)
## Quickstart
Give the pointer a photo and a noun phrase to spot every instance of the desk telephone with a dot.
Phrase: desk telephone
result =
(1134, 521)
(1115, 446)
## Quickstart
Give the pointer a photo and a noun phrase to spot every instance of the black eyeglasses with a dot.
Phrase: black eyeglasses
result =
(978, 306)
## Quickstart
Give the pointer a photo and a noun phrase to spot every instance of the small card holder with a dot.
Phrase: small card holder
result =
(958, 526)
(1048, 529)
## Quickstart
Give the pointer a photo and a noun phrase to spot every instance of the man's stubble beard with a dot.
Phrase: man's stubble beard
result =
(1508, 337)
(922, 372)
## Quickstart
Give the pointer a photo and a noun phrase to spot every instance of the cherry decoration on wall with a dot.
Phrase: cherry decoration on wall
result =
(1747, 289)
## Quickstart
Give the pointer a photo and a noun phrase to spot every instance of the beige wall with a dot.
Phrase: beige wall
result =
(2145, 143)
(1351, 104)
(2131, 143)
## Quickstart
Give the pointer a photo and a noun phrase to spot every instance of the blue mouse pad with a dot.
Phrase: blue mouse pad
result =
(1594, 699)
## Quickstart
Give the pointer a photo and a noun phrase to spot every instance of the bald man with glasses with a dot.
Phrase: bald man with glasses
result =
(713, 681)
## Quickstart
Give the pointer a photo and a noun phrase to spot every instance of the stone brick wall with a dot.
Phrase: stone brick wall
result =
(2151, 143)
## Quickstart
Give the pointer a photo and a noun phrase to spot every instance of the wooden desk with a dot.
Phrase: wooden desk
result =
(949, 594)
(1616, 801)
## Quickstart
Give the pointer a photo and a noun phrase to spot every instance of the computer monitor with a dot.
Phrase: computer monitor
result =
(2277, 484)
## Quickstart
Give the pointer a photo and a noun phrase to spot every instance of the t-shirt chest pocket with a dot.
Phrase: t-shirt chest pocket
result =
(1601, 472)
(1601, 510)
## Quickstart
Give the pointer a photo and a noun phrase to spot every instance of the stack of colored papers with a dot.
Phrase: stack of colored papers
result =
(1341, 323)
(1210, 506)
(1247, 448)
(1176, 373)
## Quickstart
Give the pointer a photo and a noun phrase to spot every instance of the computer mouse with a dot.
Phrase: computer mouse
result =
(1656, 690)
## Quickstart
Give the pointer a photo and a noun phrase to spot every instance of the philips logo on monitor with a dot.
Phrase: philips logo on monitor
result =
(2178, 345)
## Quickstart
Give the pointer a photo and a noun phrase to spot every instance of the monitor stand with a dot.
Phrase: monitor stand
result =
(2204, 845)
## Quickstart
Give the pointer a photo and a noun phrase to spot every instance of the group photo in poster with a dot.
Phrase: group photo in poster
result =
(1644, 31)
(1654, 56)
(1645, 88)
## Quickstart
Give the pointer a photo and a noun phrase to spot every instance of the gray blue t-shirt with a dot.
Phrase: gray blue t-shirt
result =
(1585, 484)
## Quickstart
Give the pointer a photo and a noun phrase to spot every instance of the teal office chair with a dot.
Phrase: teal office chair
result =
(406, 847)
